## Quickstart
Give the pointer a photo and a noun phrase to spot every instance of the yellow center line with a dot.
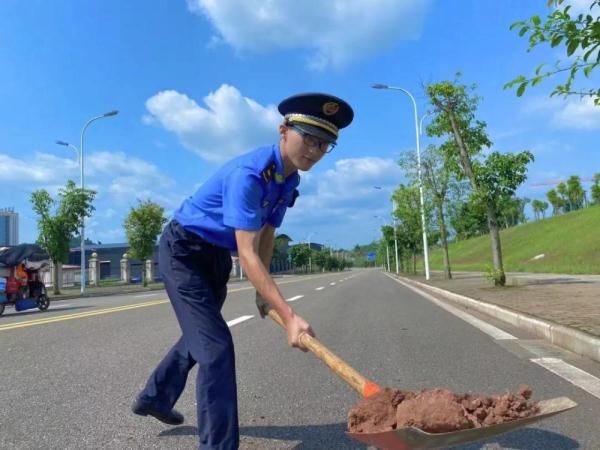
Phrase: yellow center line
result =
(98, 312)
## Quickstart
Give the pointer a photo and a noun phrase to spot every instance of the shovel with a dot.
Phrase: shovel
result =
(410, 438)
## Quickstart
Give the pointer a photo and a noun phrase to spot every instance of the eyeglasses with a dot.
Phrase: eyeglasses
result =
(314, 142)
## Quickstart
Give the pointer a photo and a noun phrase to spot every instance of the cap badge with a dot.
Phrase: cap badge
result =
(330, 108)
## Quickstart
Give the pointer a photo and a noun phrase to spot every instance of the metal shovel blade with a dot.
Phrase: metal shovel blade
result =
(410, 438)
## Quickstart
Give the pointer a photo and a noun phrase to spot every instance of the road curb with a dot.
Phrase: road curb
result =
(568, 338)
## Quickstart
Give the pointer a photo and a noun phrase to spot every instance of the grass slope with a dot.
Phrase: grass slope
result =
(570, 243)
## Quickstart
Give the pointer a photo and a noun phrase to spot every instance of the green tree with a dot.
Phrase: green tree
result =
(596, 190)
(539, 209)
(300, 254)
(280, 247)
(495, 178)
(467, 217)
(577, 34)
(59, 220)
(512, 211)
(436, 178)
(320, 259)
(142, 226)
(408, 215)
(556, 201)
(544, 208)
(575, 193)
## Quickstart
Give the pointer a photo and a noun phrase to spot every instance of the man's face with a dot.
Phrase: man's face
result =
(301, 149)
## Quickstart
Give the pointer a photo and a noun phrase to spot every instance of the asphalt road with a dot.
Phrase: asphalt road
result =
(69, 375)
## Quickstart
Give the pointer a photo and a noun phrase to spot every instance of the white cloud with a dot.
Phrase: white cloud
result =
(572, 113)
(42, 168)
(582, 114)
(346, 194)
(336, 32)
(118, 179)
(582, 7)
(334, 204)
(230, 123)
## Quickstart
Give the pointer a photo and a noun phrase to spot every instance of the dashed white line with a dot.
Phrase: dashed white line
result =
(320, 288)
(238, 320)
(293, 299)
(572, 374)
(146, 295)
(332, 283)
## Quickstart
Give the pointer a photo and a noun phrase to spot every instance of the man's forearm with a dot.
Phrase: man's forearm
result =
(265, 247)
(259, 276)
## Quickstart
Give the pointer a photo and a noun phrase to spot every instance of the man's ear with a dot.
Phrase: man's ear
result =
(282, 131)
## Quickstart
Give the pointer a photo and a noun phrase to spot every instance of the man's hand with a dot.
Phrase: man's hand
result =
(296, 326)
(262, 305)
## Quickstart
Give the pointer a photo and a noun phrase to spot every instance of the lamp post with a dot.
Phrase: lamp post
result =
(417, 133)
(80, 153)
(73, 147)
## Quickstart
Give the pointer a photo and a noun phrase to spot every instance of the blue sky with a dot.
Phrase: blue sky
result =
(198, 82)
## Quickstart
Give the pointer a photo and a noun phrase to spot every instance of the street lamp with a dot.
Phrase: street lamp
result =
(80, 153)
(395, 237)
(417, 133)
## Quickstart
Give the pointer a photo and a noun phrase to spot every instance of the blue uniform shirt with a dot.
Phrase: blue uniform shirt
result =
(246, 193)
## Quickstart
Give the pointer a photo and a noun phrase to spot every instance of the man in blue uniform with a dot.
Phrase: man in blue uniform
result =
(237, 209)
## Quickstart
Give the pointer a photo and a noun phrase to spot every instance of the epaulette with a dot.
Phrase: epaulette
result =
(268, 173)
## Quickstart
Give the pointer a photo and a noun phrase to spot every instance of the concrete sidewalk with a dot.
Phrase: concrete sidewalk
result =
(568, 306)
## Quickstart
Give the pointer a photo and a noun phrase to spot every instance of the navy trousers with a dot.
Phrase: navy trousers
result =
(195, 274)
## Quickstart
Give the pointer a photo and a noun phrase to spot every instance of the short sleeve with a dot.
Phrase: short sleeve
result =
(242, 193)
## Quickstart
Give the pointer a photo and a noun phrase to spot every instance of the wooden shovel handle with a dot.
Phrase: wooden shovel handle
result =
(341, 368)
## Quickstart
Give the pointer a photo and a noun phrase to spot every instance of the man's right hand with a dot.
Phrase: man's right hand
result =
(296, 326)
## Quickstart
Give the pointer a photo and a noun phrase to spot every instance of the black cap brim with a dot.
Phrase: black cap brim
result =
(317, 132)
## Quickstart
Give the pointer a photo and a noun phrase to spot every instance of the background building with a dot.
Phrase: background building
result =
(9, 227)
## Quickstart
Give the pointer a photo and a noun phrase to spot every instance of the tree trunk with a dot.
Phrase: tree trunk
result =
(55, 277)
(462, 149)
(444, 237)
(414, 263)
(499, 276)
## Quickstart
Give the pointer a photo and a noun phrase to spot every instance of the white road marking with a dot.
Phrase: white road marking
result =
(59, 305)
(332, 283)
(488, 329)
(572, 374)
(341, 281)
(238, 320)
(293, 299)
(320, 288)
(147, 295)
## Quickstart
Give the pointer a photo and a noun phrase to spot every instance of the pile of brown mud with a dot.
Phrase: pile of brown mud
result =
(437, 410)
